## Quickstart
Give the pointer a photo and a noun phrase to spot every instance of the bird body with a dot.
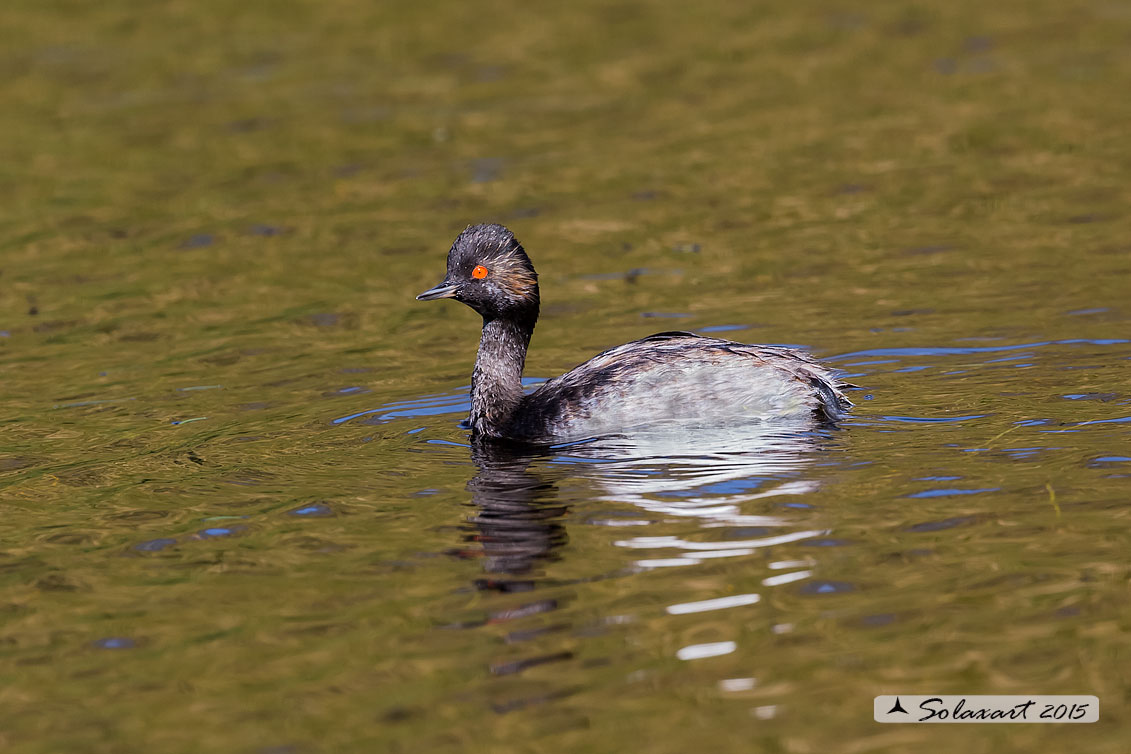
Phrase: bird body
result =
(676, 378)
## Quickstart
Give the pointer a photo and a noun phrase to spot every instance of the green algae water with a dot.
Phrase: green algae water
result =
(239, 513)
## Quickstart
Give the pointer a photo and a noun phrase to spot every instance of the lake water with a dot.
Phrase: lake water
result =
(239, 513)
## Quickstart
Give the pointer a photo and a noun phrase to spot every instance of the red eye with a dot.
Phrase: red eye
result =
(479, 272)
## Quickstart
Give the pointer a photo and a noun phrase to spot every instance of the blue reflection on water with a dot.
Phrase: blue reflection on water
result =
(933, 420)
(947, 493)
(826, 587)
(729, 487)
(939, 351)
(722, 328)
(115, 642)
(457, 401)
(426, 407)
(317, 509)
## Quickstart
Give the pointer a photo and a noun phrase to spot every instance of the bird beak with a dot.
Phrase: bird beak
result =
(443, 290)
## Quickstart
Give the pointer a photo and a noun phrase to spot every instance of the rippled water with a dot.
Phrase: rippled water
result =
(240, 514)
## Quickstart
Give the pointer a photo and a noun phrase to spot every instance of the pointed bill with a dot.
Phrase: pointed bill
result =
(443, 290)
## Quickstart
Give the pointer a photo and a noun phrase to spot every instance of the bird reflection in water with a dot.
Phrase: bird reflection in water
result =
(707, 479)
(514, 522)
(711, 476)
(518, 527)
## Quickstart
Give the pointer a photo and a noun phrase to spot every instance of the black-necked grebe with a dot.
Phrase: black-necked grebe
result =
(675, 377)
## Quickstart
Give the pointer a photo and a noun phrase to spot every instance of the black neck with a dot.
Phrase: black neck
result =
(496, 383)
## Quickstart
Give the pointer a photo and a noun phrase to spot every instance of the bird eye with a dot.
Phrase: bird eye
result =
(479, 272)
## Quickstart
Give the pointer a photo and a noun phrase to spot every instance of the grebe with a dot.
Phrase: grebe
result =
(670, 377)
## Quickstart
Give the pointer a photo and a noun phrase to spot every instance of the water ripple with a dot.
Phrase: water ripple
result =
(970, 350)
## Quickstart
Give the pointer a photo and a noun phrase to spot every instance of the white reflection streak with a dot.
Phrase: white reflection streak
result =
(737, 684)
(699, 651)
(779, 565)
(719, 603)
(725, 508)
(720, 554)
(767, 712)
(655, 542)
(666, 562)
(785, 578)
